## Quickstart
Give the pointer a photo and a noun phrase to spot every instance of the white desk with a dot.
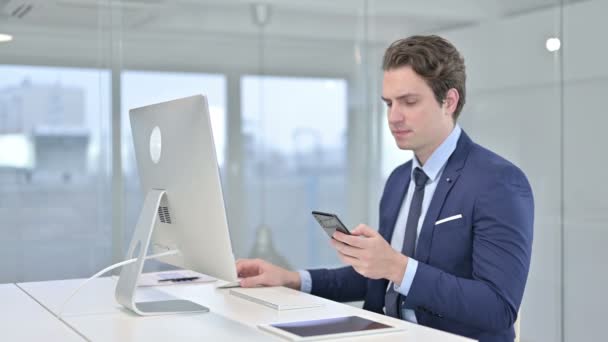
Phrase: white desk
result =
(95, 314)
(22, 319)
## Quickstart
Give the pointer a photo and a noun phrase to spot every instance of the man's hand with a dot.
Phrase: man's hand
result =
(370, 255)
(257, 272)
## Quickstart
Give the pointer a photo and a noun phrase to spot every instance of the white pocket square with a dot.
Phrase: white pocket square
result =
(448, 219)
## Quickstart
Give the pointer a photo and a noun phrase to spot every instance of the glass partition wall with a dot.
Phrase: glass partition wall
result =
(294, 90)
(55, 141)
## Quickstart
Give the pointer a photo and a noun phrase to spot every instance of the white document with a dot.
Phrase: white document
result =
(173, 277)
(278, 298)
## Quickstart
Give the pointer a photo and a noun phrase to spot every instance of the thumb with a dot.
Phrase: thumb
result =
(363, 230)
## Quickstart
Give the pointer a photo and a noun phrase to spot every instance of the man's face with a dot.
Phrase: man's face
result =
(417, 121)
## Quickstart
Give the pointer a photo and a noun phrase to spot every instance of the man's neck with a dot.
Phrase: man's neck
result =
(426, 152)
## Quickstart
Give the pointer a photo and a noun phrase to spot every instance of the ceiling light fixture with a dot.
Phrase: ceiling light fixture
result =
(5, 38)
(553, 44)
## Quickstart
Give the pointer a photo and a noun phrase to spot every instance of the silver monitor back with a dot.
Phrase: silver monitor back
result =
(175, 152)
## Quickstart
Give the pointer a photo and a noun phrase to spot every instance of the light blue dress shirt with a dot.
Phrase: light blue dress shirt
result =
(434, 169)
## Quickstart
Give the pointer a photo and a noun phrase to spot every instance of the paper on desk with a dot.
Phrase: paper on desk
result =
(152, 279)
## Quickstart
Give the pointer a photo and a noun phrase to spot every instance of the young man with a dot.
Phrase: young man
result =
(453, 248)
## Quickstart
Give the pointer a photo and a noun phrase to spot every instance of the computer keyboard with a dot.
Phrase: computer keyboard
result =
(278, 298)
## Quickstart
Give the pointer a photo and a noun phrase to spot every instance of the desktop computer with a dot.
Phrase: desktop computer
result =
(183, 208)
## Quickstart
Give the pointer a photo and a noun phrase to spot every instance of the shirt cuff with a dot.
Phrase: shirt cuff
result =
(305, 281)
(408, 277)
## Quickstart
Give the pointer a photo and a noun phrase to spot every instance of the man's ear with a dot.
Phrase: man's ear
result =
(451, 101)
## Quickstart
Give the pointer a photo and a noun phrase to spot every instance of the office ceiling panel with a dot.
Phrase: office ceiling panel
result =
(312, 19)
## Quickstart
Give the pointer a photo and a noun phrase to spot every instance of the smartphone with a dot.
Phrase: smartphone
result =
(330, 223)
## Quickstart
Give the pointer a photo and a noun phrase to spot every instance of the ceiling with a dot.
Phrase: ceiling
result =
(380, 20)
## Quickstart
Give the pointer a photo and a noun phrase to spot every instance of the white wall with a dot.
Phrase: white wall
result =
(515, 108)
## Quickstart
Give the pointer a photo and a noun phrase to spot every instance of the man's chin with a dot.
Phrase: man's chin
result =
(404, 145)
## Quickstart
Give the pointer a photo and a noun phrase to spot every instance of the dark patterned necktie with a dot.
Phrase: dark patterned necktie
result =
(392, 299)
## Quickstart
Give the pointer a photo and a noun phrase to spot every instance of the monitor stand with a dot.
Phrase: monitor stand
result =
(129, 275)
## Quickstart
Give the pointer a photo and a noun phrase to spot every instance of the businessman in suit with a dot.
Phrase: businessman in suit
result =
(453, 247)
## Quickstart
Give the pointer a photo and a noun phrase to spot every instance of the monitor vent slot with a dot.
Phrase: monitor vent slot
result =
(164, 215)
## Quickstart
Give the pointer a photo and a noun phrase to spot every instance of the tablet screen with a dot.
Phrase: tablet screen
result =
(330, 326)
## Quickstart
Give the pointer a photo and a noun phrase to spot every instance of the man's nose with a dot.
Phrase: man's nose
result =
(394, 116)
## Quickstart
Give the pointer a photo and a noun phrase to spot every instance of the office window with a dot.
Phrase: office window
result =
(54, 193)
(295, 162)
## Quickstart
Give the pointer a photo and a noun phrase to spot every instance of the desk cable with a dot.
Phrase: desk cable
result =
(107, 269)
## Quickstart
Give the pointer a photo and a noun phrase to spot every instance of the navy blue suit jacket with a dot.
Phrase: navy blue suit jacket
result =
(472, 271)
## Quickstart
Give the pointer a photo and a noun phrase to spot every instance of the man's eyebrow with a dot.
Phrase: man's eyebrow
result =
(400, 97)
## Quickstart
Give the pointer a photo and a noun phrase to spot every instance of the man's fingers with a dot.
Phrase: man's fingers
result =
(346, 249)
(254, 281)
(246, 267)
(242, 265)
(351, 240)
(242, 262)
(348, 259)
(355, 263)
(247, 273)
(363, 230)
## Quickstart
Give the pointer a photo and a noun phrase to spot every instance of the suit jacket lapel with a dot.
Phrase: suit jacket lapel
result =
(449, 177)
(395, 200)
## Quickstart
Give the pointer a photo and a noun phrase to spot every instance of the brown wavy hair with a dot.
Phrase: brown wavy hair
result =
(433, 58)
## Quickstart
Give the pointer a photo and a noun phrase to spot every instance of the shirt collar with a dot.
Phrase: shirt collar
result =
(440, 156)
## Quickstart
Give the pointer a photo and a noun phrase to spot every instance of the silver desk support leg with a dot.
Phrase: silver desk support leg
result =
(129, 275)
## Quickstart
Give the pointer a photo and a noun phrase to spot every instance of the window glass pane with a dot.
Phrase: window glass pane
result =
(295, 162)
(54, 193)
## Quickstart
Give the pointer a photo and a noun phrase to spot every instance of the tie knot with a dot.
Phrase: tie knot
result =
(420, 177)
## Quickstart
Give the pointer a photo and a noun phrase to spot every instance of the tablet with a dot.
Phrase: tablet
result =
(328, 328)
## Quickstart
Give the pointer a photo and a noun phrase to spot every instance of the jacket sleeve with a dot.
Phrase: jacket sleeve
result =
(345, 284)
(342, 284)
(503, 218)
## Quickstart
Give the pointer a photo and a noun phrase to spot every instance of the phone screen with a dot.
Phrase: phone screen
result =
(330, 223)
